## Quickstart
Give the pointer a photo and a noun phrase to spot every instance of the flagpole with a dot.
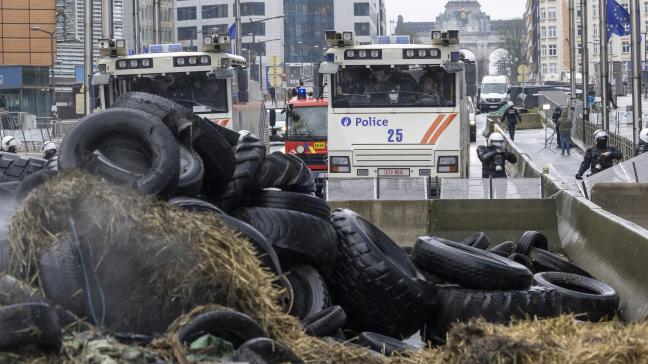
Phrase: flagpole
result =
(636, 70)
(603, 63)
(585, 61)
(239, 45)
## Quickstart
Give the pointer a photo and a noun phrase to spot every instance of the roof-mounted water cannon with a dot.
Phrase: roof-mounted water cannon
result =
(448, 37)
(216, 43)
(112, 47)
(340, 39)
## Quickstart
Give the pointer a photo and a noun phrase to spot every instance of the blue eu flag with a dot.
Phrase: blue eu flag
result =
(618, 20)
(232, 31)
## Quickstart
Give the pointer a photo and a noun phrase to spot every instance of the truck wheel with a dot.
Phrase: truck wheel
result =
(457, 304)
(368, 265)
(584, 297)
(327, 322)
(309, 291)
(292, 201)
(544, 261)
(287, 172)
(232, 326)
(218, 158)
(504, 250)
(468, 266)
(384, 344)
(296, 236)
(530, 240)
(249, 154)
(477, 240)
(141, 146)
(175, 116)
(191, 173)
(265, 351)
(14, 167)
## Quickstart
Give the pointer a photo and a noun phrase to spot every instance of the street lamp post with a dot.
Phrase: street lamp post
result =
(52, 78)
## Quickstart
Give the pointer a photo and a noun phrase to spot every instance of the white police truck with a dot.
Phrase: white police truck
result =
(213, 83)
(396, 110)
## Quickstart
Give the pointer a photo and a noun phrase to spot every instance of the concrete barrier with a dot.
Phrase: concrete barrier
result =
(502, 220)
(403, 221)
(627, 200)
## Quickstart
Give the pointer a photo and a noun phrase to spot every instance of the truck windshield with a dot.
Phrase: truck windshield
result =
(189, 90)
(402, 86)
(308, 122)
(494, 88)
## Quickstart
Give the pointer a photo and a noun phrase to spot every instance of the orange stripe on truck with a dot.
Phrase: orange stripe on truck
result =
(442, 128)
(434, 125)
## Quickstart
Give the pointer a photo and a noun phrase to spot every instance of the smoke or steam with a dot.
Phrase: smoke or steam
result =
(8, 207)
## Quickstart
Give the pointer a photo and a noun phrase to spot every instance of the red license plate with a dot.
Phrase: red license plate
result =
(394, 172)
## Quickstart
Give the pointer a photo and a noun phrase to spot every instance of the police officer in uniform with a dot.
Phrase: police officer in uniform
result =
(599, 157)
(10, 144)
(512, 117)
(50, 153)
(494, 157)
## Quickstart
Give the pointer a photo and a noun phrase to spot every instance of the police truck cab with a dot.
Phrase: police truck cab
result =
(396, 110)
(214, 84)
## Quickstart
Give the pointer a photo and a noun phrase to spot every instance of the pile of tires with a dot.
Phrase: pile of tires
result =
(509, 281)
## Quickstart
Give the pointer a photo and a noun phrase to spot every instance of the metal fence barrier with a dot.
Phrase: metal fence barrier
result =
(634, 170)
(493, 188)
(32, 133)
(625, 145)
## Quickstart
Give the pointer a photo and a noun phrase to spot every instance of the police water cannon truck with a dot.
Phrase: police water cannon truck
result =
(214, 84)
(396, 110)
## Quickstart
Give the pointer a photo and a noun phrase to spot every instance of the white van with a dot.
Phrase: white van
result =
(494, 93)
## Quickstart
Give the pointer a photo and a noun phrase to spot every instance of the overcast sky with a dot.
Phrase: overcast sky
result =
(427, 10)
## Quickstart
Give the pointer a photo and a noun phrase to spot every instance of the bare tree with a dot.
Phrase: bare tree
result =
(514, 41)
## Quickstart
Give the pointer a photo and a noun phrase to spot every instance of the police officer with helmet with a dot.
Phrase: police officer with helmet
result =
(600, 156)
(10, 144)
(643, 142)
(50, 153)
(494, 157)
(512, 117)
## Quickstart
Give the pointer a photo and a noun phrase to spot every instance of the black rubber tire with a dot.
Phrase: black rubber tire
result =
(195, 204)
(293, 201)
(265, 351)
(408, 250)
(457, 304)
(477, 240)
(175, 116)
(249, 154)
(14, 167)
(522, 259)
(61, 277)
(286, 172)
(218, 158)
(584, 297)
(468, 266)
(203, 125)
(295, 236)
(125, 131)
(34, 180)
(232, 326)
(191, 173)
(29, 323)
(544, 261)
(504, 249)
(375, 281)
(309, 291)
(384, 344)
(326, 322)
(530, 240)
(266, 253)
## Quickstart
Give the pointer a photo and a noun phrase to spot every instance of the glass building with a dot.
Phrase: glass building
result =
(304, 26)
